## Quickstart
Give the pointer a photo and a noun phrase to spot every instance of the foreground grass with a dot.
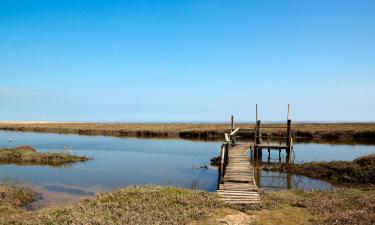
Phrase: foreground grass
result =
(14, 197)
(169, 205)
(346, 206)
(133, 205)
(28, 155)
(360, 170)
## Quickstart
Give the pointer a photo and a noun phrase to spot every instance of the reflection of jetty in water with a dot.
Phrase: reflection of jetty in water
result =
(274, 180)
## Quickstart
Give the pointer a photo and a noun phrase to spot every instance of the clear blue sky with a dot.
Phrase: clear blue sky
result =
(188, 60)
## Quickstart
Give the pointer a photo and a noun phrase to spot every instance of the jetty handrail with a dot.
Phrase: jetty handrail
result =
(226, 136)
(229, 141)
(234, 132)
(274, 136)
(223, 159)
(271, 126)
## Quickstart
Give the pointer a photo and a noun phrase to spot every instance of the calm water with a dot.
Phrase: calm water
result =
(122, 162)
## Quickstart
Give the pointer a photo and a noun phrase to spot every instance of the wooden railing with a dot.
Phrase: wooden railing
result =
(223, 160)
(230, 140)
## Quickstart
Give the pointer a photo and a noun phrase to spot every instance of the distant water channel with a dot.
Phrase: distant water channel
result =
(120, 162)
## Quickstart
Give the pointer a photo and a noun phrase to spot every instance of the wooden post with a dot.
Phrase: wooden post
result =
(257, 133)
(257, 176)
(269, 150)
(222, 163)
(288, 181)
(231, 123)
(289, 141)
(258, 140)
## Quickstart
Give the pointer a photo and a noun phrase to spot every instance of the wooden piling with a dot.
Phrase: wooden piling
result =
(289, 140)
(258, 140)
(231, 123)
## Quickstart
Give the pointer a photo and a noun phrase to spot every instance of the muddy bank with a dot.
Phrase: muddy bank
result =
(312, 132)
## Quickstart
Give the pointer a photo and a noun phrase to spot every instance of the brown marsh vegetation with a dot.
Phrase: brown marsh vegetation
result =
(13, 198)
(358, 171)
(25, 155)
(311, 131)
(169, 205)
(343, 206)
(132, 205)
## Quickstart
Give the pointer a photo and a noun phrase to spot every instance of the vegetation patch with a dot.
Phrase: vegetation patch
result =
(29, 156)
(169, 205)
(317, 132)
(344, 206)
(132, 205)
(360, 170)
(14, 197)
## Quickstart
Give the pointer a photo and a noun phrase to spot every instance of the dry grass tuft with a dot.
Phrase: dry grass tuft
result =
(14, 197)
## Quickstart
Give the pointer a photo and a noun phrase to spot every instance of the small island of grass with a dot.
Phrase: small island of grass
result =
(26, 155)
(360, 170)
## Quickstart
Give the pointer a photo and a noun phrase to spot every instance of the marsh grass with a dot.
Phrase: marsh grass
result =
(360, 170)
(29, 156)
(344, 206)
(326, 132)
(169, 205)
(14, 197)
(132, 205)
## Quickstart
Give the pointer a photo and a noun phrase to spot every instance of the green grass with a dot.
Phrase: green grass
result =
(29, 156)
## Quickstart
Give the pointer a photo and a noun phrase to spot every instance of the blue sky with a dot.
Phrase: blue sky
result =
(188, 60)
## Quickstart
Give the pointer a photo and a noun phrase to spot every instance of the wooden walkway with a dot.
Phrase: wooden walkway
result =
(238, 184)
(236, 175)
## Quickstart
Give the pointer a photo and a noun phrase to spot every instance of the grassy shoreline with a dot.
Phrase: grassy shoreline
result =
(131, 205)
(307, 131)
(171, 205)
(14, 198)
(359, 171)
(26, 155)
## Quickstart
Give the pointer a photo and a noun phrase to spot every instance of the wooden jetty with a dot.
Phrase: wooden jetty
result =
(236, 182)
(236, 177)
